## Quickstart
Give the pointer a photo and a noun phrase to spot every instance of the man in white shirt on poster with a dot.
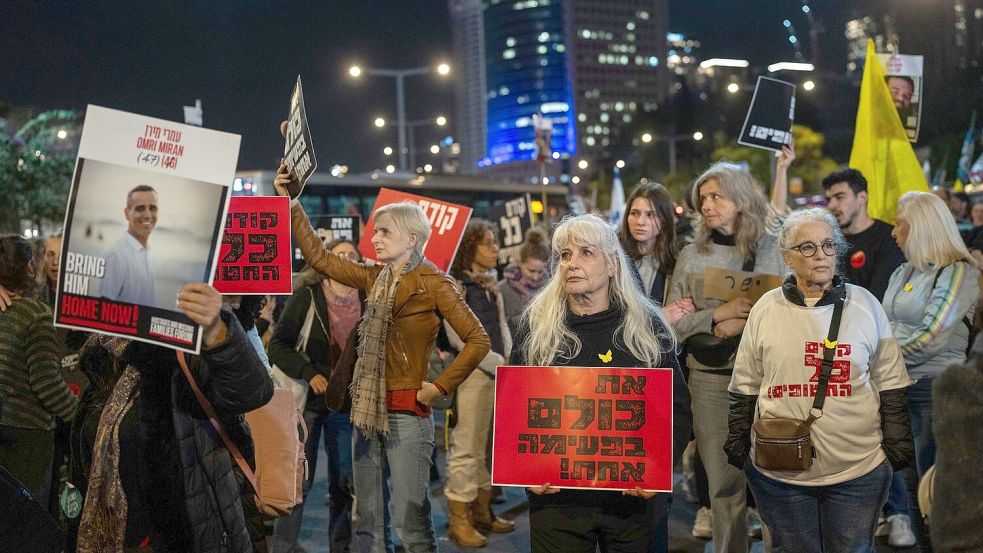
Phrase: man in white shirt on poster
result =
(129, 277)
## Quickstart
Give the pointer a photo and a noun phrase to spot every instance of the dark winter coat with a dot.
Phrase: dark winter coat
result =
(186, 464)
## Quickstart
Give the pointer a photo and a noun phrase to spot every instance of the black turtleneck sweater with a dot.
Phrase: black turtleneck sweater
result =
(596, 333)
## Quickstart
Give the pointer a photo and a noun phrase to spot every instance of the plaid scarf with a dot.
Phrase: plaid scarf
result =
(103, 524)
(368, 387)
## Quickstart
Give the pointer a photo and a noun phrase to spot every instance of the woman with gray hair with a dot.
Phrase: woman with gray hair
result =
(592, 306)
(406, 298)
(730, 234)
(850, 393)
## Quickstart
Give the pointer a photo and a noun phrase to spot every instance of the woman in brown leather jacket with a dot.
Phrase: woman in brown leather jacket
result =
(407, 297)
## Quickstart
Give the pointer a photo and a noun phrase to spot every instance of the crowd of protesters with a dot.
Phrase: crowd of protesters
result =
(107, 436)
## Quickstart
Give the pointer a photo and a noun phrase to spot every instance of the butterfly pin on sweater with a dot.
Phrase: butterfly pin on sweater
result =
(605, 357)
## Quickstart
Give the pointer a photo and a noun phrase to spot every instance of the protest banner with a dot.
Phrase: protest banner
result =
(329, 228)
(727, 284)
(298, 152)
(144, 218)
(447, 223)
(903, 75)
(578, 427)
(513, 219)
(768, 124)
(254, 257)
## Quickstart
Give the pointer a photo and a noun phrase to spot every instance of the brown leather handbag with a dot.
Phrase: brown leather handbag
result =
(786, 443)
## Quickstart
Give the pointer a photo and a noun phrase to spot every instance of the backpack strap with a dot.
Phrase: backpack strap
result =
(206, 406)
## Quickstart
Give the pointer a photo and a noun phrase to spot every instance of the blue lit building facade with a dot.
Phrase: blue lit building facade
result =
(527, 72)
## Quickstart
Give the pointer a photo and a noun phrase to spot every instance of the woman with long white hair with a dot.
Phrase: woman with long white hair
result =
(930, 301)
(592, 307)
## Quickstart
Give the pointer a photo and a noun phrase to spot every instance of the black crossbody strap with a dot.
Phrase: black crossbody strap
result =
(829, 350)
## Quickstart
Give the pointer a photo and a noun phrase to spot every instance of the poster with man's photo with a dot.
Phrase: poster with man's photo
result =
(145, 217)
(903, 75)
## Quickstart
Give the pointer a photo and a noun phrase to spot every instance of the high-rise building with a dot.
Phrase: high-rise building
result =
(589, 66)
(468, 35)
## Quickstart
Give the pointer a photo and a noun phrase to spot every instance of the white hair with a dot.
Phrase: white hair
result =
(546, 315)
(408, 217)
(802, 216)
(933, 237)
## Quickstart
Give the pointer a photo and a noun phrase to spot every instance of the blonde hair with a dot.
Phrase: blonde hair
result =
(546, 314)
(410, 218)
(933, 237)
(741, 188)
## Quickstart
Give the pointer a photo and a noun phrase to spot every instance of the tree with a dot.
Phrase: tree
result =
(34, 177)
(810, 163)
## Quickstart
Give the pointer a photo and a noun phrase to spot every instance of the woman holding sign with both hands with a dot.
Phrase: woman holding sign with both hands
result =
(406, 298)
(569, 323)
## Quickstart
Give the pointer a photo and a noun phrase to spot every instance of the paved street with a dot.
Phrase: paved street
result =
(314, 534)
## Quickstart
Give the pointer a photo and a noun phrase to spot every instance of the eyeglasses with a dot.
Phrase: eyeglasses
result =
(489, 243)
(808, 249)
(349, 255)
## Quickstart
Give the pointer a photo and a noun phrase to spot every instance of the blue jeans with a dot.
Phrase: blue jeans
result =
(840, 518)
(897, 497)
(920, 411)
(337, 432)
(403, 457)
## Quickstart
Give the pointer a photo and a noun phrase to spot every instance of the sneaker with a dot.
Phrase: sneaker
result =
(900, 534)
(753, 523)
(882, 527)
(703, 525)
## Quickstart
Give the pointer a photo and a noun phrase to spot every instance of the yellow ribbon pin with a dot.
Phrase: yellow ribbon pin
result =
(907, 287)
(830, 345)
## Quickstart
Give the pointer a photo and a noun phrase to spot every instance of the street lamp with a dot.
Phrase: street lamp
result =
(647, 137)
(671, 140)
(435, 149)
(388, 150)
(400, 76)
(733, 88)
(428, 168)
(620, 164)
(380, 122)
(808, 85)
(582, 164)
(390, 169)
(441, 121)
(697, 136)
(62, 134)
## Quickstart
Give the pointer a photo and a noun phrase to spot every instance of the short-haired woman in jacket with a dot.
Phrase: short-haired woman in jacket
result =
(930, 301)
(831, 507)
(730, 234)
(592, 305)
(406, 298)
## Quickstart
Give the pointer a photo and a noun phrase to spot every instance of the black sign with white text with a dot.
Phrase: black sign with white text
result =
(298, 152)
(513, 220)
(769, 119)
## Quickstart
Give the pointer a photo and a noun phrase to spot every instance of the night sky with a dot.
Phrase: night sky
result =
(241, 59)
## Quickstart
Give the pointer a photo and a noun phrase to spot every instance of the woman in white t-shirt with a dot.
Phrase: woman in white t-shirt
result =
(863, 433)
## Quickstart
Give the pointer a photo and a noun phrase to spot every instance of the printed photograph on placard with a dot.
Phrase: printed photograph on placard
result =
(144, 218)
(903, 76)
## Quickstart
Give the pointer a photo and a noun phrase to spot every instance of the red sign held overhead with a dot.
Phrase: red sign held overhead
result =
(255, 252)
(447, 223)
(578, 427)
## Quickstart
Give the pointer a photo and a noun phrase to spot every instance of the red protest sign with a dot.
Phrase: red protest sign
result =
(447, 222)
(254, 257)
(578, 427)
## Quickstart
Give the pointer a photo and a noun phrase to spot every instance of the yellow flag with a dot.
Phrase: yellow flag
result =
(881, 150)
(958, 185)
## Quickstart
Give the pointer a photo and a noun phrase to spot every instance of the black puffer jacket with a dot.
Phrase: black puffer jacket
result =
(188, 496)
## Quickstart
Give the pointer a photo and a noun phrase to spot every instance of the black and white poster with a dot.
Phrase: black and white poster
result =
(513, 219)
(145, 217)
(903, 76)
(298, 152)
(768, 124)
(329, 228)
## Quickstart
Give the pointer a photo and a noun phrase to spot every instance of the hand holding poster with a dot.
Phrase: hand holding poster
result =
(513, 220)
(133, 236)
(255, 254)
(727, 284)
(447, 223)
(903, 75)
(768, 124)
(298, 152)
(576, 427)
